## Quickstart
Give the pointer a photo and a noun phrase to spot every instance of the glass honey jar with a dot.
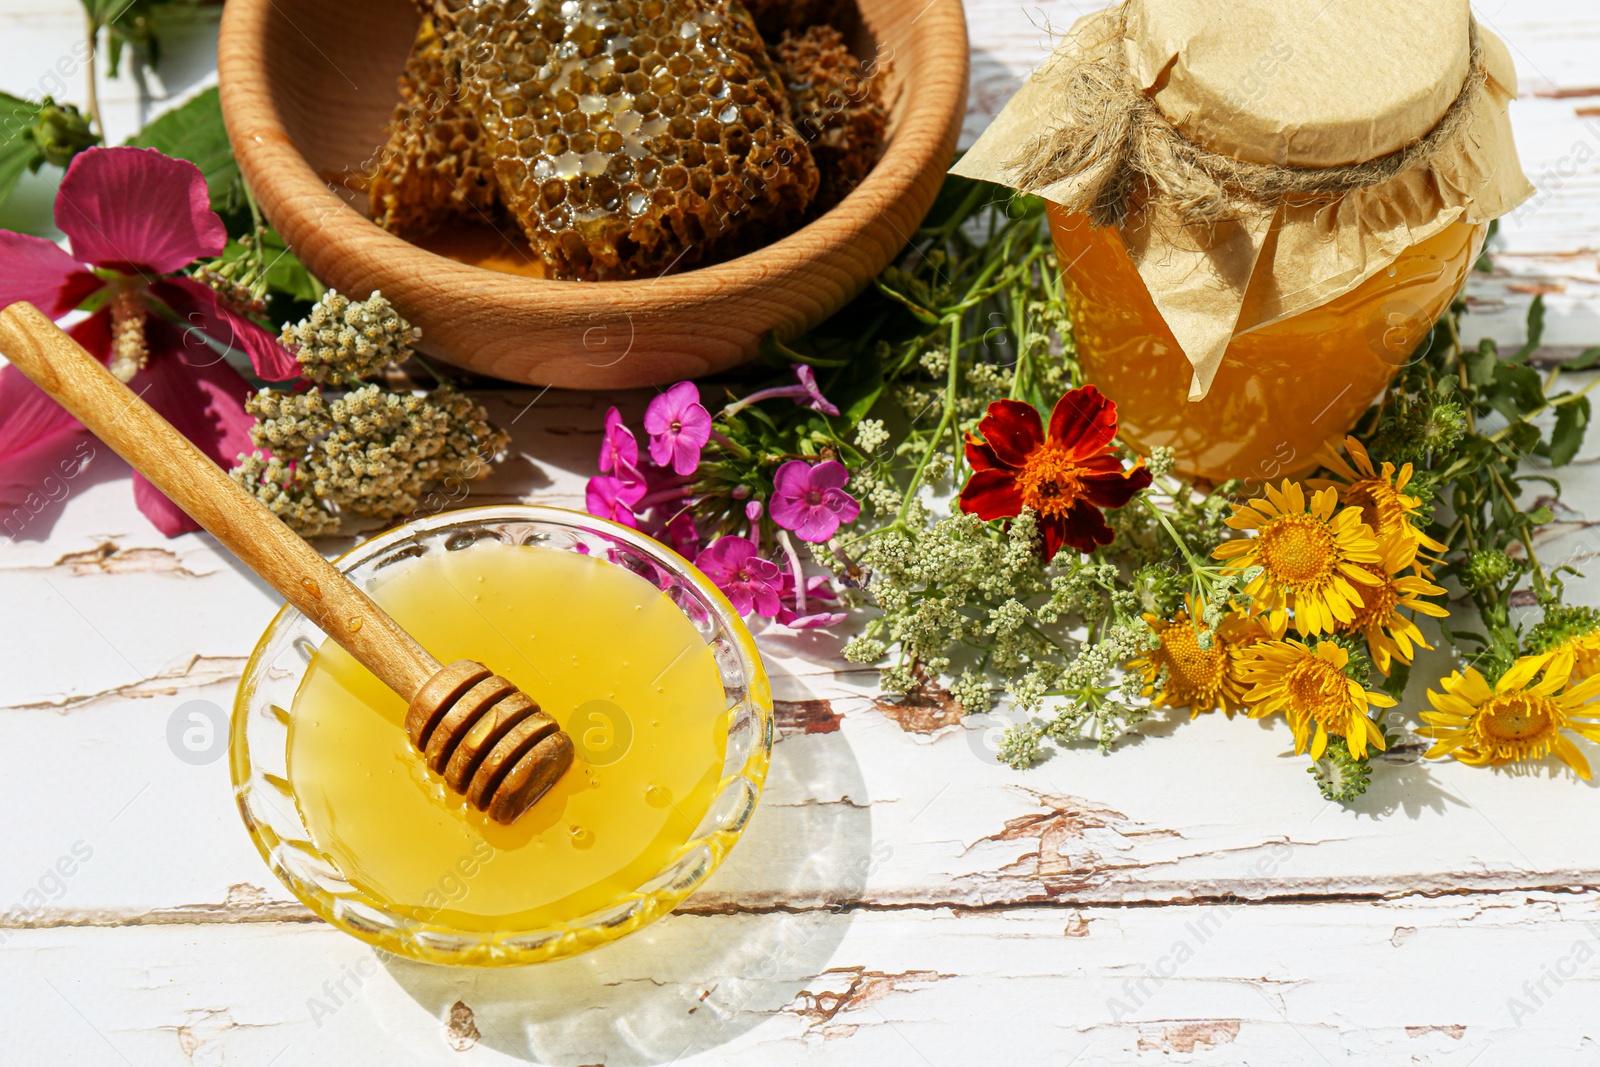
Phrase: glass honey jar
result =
(1280, 391)
(1259, 215)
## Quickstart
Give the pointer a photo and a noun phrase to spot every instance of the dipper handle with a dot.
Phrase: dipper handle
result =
(76, 380)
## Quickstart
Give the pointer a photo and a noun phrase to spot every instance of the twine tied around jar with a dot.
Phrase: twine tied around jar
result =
(1114, 141)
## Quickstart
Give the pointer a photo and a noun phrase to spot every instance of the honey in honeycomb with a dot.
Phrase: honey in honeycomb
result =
(630, 136)
(435, 166)
(624, 138)
(837, 107)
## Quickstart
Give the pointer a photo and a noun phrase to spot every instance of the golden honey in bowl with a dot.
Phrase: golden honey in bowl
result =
(605, 653)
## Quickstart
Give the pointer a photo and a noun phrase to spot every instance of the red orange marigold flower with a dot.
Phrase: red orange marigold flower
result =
(1066, 475)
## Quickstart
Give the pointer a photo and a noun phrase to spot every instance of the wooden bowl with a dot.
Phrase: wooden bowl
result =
(309, 85)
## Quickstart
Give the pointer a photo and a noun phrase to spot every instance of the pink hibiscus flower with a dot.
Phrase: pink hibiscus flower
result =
(134, 217)
(811, 501)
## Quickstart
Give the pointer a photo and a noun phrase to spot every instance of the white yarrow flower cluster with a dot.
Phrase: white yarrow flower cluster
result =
(344, 340)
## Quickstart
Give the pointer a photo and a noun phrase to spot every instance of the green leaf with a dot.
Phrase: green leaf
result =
(1517, 390)
(1583, 360)
(921, 313)
(1481, 362)
(138, 24)
(195, 132)
(19, 149)
(1541, 515)
(1535, 331)
(1572, 419)
(1399, 675)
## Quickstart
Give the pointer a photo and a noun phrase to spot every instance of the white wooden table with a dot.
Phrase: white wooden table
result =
(900, 898)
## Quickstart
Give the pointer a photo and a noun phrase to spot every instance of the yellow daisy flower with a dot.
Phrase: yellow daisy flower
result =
(1391, 635)
(1379, 493)
(1519, 719)
(1310, 558)
(1200, 679)
(1585, 652)
(1310, 687)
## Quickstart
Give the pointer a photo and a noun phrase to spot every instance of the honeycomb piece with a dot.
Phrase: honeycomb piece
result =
(837, 107)
(630, 137)
(775, 17)
(436, 165)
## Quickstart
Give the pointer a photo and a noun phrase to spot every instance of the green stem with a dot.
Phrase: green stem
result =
(93, 37)
(1196, 568)
(952, 379)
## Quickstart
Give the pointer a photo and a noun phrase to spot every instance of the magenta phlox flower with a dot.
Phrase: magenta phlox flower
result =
(679, 428)
(611, 497)
(749, 582)
(618, 446)
(811, 501)
(807, 394)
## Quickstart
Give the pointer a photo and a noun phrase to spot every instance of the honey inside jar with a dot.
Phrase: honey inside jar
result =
(605, 653)
(1281, 390)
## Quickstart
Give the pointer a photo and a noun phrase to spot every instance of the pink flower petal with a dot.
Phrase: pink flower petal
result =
(612, 498)
(808, 379)
(679, 428)
(37, 271)
(206, 405)
(27, 415)
(35, 481)
(209, 317)
(163, 514)
(682, 536)
(137, 210)
(669, 406)
(618, 443)
(829, 474)
(816, 525)
(820, 620)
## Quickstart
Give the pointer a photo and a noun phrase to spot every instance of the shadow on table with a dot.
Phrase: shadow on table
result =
(741, 950)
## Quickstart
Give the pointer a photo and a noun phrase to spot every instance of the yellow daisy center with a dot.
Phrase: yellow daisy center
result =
(1192, 671)
(1378, 602)
(1297, 550)
(1319, 690)
(1517, 726)
(1050, 481)
(1378, 501)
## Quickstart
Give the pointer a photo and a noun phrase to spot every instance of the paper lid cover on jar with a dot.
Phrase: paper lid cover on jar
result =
(1262, 157)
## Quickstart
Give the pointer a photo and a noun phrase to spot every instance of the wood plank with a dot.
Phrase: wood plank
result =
(1496, 981)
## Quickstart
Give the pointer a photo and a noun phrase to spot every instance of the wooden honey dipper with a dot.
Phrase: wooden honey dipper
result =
(490, 742)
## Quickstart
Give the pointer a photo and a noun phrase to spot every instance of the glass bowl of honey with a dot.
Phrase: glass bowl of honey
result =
(633, 651)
